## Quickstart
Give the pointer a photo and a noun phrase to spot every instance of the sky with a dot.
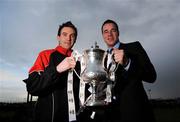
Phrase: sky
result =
(29, 26)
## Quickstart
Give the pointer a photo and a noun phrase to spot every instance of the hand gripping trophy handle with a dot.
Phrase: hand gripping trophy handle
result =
(112, 66)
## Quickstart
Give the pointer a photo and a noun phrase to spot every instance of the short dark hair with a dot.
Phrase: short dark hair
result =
(67, 24)
(110, 21)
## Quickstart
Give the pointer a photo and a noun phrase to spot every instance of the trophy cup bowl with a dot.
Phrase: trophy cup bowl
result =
(94, 70)
(94, 74)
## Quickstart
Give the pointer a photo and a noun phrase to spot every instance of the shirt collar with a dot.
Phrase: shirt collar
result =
(115, 46)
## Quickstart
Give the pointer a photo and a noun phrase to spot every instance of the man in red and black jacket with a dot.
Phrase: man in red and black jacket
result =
(50, 80)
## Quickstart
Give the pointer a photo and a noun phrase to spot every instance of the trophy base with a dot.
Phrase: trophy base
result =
(97, 105)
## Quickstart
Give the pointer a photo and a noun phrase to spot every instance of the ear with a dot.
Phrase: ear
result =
(58, 38)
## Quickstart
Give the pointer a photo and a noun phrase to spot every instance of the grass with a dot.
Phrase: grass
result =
(165, 111)
(167, 114)
(11, 112)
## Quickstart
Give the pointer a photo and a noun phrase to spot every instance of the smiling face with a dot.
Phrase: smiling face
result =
(67, 37)
(110, 34)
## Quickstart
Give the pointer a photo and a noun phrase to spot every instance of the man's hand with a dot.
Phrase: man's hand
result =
(67, 63)
(120, 57)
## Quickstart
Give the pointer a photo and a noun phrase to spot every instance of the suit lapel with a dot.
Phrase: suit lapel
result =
(122, 46)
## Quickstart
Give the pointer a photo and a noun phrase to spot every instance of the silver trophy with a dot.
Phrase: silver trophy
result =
(96, 75)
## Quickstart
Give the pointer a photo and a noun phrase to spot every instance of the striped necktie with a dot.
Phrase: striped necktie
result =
(109, 58)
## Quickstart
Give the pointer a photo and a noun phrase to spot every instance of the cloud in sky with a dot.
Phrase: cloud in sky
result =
(29, 26)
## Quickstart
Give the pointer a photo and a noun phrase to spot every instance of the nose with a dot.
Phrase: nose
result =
(69, 38)
(109, 33)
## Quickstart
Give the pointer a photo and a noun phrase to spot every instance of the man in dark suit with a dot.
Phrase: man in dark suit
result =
(129, 99)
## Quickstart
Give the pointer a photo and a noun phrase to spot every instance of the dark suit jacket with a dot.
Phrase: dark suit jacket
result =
(131, 103)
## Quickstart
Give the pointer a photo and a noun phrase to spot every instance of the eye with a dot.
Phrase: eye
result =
(72, 35)
(105, 31)
(114, 30)
(64, 34)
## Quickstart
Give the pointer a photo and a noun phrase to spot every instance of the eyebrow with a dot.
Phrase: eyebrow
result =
(72, 34)
(113, 29)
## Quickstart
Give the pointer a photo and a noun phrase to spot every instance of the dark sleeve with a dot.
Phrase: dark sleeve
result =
(143, 64)
(45, 82)
(149, 73)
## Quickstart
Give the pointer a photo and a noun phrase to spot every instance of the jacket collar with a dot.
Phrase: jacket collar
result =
(64, 51)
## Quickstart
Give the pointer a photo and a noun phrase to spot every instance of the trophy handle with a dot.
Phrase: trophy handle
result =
(83, 61)
(79, 57)
(114, 65)
(103, 64)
